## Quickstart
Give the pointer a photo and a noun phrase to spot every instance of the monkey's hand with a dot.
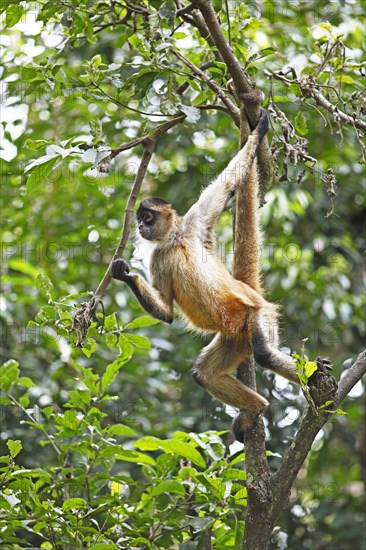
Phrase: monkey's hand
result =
(263, 124)
(120, 270)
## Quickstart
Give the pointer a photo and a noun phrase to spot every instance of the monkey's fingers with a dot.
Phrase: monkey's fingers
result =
(263, 124)
(120, 269)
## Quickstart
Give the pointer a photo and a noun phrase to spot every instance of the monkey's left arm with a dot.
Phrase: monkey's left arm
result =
(158, 304)
(213, 199)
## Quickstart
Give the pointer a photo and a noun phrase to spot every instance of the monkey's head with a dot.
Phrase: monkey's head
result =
(155, 218)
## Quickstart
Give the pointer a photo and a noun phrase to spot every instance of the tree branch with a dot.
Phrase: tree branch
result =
(85, 313)
(310, 425)
(352, 376)
(310, 88)
(336, 112)
(233, 109)
(241, 81)
(150, 144)
(179, 118)
(247, 95)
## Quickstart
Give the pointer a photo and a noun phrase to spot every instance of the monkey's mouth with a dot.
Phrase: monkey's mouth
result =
(145, 233)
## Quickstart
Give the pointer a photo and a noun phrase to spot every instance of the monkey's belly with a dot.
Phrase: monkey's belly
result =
(229, 316)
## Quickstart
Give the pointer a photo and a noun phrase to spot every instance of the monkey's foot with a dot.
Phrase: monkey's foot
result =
(245, 422)
(322, 385)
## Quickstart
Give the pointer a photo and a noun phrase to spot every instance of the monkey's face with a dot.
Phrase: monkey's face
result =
(154, 219)
(146, 221)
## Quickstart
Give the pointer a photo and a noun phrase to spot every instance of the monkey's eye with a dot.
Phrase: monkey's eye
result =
(147, 218)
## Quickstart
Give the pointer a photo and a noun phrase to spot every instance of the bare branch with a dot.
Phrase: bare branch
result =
(150, 144)
(143, 139)
(85, 313)
(310, 88)
(179, 118)
(336, 112)
(233, 110)
(352, 376)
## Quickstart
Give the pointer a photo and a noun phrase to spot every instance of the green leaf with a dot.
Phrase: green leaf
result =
(168, 487)
(143, 82)
(13, 15)
(89, 347)
(310, 368)
(110, 374)
(345, 79)
(25, 381)
(134, 456)
(120, 429)
(73, 504)
(137, 43)
(96, 128)
(44, 283)
(171, 446)
(126, 348)
(91, 380)
(217, 5)
(216, 486)
(103, 546)
(138, 341)
(40, 172)
(47, 314)
(14, 447)
(24, 267)
(34, 145)
(9, 373)
(300, 124)
(96, 61)
(140, 322)
(4, 504)
(110, 322)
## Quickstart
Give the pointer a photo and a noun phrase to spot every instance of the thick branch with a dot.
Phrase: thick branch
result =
(241, 81)
(246, 92)
(300, 447)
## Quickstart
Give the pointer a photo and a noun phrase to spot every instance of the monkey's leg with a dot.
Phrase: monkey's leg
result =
(212, 371)
(269, 357)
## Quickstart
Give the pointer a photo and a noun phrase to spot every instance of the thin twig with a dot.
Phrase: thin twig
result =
(150, 144)
(179, 118)
(234, 111)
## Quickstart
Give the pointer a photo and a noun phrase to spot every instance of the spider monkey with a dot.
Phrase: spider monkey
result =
(185, 269)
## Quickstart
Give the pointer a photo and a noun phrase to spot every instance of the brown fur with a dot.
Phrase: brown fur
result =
(186, 269)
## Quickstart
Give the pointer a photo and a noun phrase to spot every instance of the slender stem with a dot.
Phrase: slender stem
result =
(150, 144)
(234, 111)
(32, 419)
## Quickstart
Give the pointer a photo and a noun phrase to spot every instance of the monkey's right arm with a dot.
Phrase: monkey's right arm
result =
(158, 304)
(213, 199)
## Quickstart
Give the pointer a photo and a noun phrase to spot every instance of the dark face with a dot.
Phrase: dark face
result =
(154, 219)
(146, 220)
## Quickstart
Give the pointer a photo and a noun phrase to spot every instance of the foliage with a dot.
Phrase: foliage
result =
(101, 444)
(88, 499)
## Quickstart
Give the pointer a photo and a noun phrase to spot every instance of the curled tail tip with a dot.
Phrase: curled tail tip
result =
(263, 124)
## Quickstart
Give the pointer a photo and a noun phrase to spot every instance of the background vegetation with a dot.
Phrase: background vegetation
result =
(113, 445)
